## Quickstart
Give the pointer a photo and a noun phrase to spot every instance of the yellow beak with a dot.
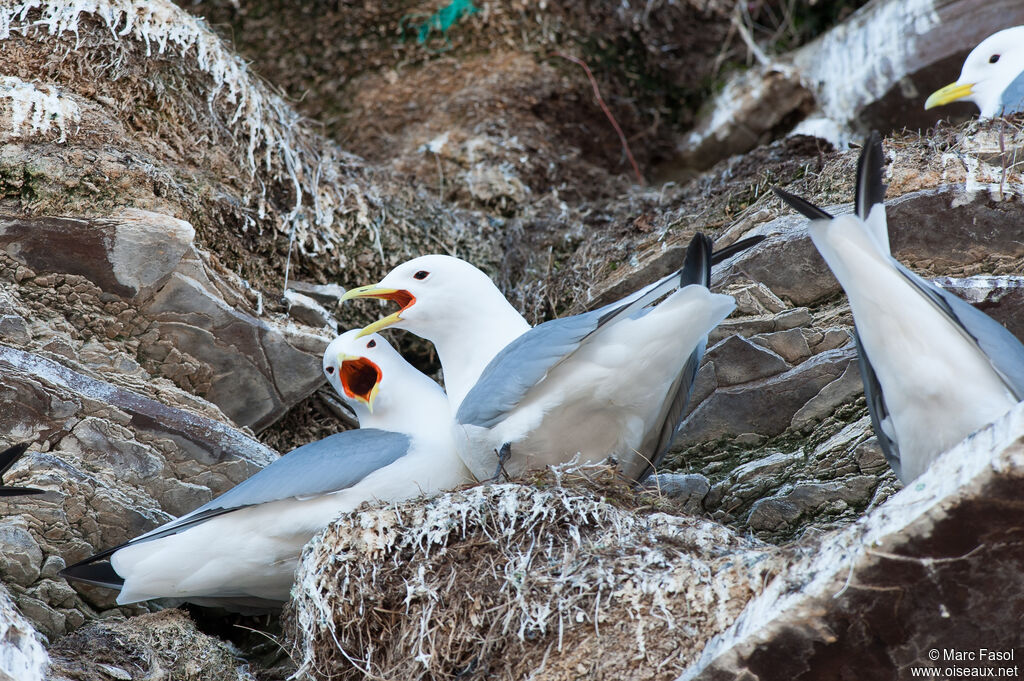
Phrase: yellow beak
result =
(950, 93)
(371, 291)
(381, 323)
(400, 296)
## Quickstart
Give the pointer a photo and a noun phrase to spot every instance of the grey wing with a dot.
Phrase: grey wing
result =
(1002, 349)
(1012, 99)
(332, 464)
(876, 406)
(329, 465)
(521, 365)
(526, 361)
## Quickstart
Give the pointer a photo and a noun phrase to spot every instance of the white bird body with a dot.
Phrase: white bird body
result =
(604, 398)
(924, 362)
(241, 549)
(253, 552)
(935, 369)
(605, 383)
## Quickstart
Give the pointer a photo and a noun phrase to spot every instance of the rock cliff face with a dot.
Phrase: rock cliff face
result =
(160, 185)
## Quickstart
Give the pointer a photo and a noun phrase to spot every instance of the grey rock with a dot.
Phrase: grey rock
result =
(325, 294)
(756, 299)
(688, 488)
(791, 344)
(51, 566)
(304, 309)
(21, 557)
(764, 467)
(831, 339)
(258, 370)
(49, 621)
(124, 254)
(744, 114)
(22, 657)
(870, 457)
(737, 360)
(767, 406)
(787, 262)
(749, 326)
(840, 391)
(14, 329)
(207, 440)
(775, 513)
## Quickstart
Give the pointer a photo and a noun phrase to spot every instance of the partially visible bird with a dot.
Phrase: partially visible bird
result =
(935, 369)
(240, 550)
(7, 459)
(992, 76)
(611, 382)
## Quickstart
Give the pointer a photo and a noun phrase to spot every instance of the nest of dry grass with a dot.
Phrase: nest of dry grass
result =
(573, 572)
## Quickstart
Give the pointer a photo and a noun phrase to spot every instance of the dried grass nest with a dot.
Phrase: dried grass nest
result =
(571, 574)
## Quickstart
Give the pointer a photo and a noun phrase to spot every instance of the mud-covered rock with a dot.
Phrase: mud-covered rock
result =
(22, 657)
(164, 645)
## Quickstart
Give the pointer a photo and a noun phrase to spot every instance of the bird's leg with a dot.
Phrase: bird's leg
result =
(503, 454)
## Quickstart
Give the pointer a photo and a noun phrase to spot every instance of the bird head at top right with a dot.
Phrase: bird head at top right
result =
(991, 77)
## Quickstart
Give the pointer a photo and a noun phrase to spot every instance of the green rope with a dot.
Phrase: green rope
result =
(441, 20)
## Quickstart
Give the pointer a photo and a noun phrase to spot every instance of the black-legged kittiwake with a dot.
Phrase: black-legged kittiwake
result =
(935, 369)
(992, 76)
(610, 382)
(240, 550)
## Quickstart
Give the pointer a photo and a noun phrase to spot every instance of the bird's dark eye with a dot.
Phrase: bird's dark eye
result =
(329, 370)
(372, 344)
(993, 59)
(422, 274)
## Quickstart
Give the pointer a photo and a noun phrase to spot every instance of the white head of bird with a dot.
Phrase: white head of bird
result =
(988, 71)
(452, 304)
(384, 390)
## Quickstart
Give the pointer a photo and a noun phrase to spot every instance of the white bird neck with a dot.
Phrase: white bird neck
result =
(410, 403)
(465, 349)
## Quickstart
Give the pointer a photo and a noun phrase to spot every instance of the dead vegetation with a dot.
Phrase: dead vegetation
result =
(572, 575)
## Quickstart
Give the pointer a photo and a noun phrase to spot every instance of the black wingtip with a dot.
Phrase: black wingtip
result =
(19, 491)
(12, 454)
(7, 459)
(802, 206)
(697, 265)
(738, 247)
(97, 574)
(870, 189)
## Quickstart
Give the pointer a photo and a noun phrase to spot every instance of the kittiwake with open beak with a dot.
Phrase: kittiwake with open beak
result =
(992, 76)
(611, 382)
(935, 368)
(240, 550)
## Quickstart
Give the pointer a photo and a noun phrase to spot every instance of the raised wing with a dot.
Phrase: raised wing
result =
(7, 459)
(526, 361)
(1000, 347)
(329, 465)
(876, 407)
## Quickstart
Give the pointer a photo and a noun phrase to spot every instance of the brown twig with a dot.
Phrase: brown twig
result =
(604, 107)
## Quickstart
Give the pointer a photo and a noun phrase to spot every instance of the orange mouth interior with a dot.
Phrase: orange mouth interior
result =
(404, 299)
(358, 378)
